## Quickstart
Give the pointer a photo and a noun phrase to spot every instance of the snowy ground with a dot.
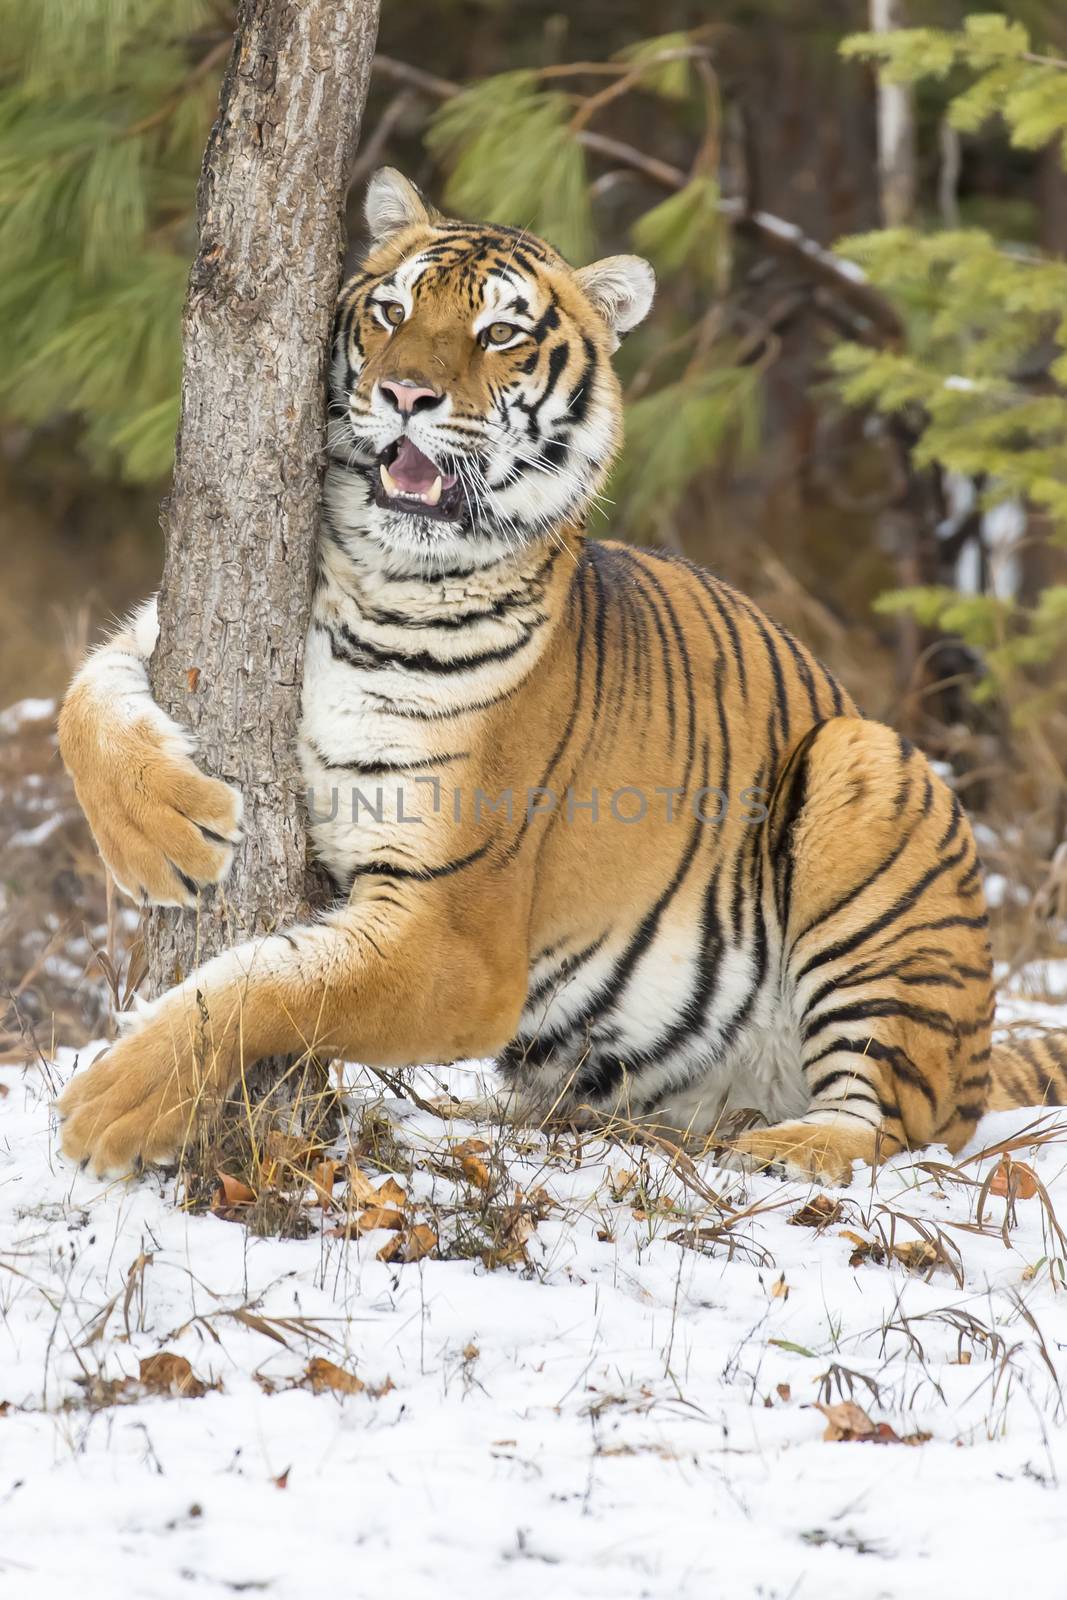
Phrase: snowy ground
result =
(625, 1408)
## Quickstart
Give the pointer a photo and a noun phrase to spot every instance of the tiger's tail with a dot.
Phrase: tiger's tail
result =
(1029, 1072)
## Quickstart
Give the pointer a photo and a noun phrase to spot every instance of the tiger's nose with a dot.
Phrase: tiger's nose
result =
(409, 396)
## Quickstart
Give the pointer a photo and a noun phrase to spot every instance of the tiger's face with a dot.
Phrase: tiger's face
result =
(473, 398)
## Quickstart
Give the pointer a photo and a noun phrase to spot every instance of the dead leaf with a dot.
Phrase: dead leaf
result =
(1014, 1178)
(784, 1391)
(818, 1212)
(4, 1091)
(622, 1182)
(390, 1193)
(282, 1480)
(863, 1249)
(377, 1217)
(780, 1289)
(469, 1147)
(659, 1207)
(232, 1192)
(421, 1240)
(323, 1177)
(918, 1255)
(323, 1375)
(537, 1201)
(361, 1192)
(411, 1245)
(845, 1420)
(475, 1171)
(167, 1373)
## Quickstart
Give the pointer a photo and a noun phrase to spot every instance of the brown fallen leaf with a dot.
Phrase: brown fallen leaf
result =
(167, 1373)
(818, 1212)
(4, 1091)
(475, 1171)
(361, 1192)
(420, 1242)
(780, 1289)
(845, 1420)
(282, 1480)
(377, 1217)
(1014, 1178)
(784, 1391)
(469, 1147)
(660, 1207)
(411, 1245)
(323, 1375)
(232, 1192)
(390, 1193)
(323, 1178)
(846, 1423)
(917, 1254)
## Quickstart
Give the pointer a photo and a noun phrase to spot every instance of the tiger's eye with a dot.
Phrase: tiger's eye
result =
(499, 332)
(393, 312)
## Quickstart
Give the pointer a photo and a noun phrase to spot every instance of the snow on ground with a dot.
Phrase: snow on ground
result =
(626, 1410)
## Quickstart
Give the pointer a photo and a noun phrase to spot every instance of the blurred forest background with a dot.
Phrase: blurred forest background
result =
(849, 400)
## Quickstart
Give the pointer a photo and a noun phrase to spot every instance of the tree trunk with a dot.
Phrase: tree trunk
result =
(241, 523)
(899, 526)
(896, 127)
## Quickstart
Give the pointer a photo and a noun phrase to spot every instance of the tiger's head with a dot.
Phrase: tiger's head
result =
(473, 399)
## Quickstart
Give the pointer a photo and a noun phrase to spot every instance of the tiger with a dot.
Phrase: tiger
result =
(589, 812)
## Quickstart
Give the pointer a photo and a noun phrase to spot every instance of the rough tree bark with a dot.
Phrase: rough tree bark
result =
(241, 522)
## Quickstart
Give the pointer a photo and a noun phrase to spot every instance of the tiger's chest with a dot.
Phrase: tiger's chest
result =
(398, 678)
(372, 759)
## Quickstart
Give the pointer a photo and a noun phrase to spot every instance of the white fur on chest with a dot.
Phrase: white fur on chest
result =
(358, 814)
(398, 669)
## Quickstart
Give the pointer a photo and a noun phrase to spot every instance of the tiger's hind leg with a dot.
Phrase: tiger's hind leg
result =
(872, 880)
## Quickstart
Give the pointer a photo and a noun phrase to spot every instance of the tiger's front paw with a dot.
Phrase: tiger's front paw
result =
(135, 1105)
(163, 827)
(816, 1152)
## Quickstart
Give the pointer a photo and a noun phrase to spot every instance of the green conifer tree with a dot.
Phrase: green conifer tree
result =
(982, 373)
(104, 113)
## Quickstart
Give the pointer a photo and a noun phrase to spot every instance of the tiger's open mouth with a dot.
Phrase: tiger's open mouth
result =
(409, 481)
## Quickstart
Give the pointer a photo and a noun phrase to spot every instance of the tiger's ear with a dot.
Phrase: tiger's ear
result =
(392, 203)
(621, 290)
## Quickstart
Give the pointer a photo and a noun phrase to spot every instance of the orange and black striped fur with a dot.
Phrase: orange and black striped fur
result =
(588, 809)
